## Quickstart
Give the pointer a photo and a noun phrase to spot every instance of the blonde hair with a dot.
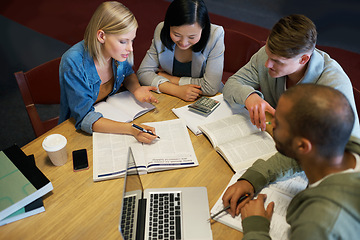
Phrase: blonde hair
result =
(112, 18)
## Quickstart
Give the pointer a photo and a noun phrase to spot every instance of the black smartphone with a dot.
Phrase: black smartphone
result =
(80, 160)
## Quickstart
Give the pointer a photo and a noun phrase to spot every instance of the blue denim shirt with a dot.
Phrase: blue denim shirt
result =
(80, 85)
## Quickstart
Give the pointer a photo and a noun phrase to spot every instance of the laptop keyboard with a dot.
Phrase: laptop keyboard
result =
(128, 216)
(165, 216)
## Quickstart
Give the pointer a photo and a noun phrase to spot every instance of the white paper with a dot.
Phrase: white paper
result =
(238, 141)
(193, 120)
(280, 192)
(122, 107)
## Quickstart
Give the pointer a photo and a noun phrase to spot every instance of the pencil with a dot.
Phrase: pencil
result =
(227, 207)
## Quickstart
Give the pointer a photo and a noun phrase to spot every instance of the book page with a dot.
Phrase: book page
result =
(193, 120)
(174, 148)
(292, 185)
(122, 107)
(110, 152)
(228, 129)
(279, 228)
(243, 152)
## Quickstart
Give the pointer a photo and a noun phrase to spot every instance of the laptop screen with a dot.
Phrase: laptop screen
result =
(133, 193)
(132, 180)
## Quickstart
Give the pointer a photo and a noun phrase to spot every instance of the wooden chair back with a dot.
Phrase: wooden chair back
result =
(40, 85)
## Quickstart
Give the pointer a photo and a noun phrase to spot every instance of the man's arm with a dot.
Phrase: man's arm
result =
(259, 175)
(244, 82)
(241, 88)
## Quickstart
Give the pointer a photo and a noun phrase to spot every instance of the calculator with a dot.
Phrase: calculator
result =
(204, 106)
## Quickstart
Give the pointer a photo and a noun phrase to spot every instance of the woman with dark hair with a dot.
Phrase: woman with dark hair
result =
(186, 56)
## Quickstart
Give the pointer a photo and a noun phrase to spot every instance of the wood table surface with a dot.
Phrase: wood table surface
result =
(79, 208)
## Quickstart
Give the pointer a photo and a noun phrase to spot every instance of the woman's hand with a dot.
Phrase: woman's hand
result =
(142, 136)
(189, 92)
(143, 94)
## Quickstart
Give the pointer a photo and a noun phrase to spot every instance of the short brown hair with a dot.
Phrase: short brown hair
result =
(292, 35)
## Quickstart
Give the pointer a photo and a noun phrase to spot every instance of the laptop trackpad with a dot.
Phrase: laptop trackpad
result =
(196, 213)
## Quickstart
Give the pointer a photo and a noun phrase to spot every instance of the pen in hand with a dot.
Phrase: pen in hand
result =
(143, 130)
(242, 198)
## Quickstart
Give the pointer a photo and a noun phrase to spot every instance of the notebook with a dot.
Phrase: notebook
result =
(162, 213)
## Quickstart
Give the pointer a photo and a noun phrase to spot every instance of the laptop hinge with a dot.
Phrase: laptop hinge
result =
(140, 229)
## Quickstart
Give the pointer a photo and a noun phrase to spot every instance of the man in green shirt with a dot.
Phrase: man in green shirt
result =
(311, 129)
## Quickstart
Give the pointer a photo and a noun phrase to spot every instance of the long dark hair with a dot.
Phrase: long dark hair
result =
(186, 12)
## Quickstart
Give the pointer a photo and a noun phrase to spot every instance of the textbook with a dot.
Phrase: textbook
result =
(21, 182)
(122, 107)
(238, 141)
(173, 150)
(31, 209)
(280, 192)
(193, 120)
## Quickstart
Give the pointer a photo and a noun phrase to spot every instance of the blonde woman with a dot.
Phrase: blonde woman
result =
(96, 67)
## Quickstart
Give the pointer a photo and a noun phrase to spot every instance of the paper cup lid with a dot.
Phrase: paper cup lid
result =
(54, 142)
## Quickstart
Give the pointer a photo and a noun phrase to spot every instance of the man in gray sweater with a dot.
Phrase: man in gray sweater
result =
(311, 129)
(288, 58)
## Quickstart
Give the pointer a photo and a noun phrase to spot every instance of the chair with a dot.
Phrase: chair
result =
(40, 85)
(350, 62)
(239, 48)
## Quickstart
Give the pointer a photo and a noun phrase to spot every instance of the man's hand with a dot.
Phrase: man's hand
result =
(233, 194)
(256, 207)
(257, 108)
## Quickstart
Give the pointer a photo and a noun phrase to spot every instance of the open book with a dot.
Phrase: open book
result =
(122, 107)
(280, 192)
(238, 141)
(173, 150)
(193, 120)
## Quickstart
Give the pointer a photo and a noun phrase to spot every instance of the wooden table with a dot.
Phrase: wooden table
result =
(79, 208)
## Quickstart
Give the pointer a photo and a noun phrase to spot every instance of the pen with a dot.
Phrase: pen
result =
(143, 130)
(227, 207)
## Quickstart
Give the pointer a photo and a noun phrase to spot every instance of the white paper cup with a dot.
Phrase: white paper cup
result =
(55, 146)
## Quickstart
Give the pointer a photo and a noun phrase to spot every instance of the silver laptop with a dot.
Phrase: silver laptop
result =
(162, 213)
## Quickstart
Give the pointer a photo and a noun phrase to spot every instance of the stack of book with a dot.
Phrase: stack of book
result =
(22, 186)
